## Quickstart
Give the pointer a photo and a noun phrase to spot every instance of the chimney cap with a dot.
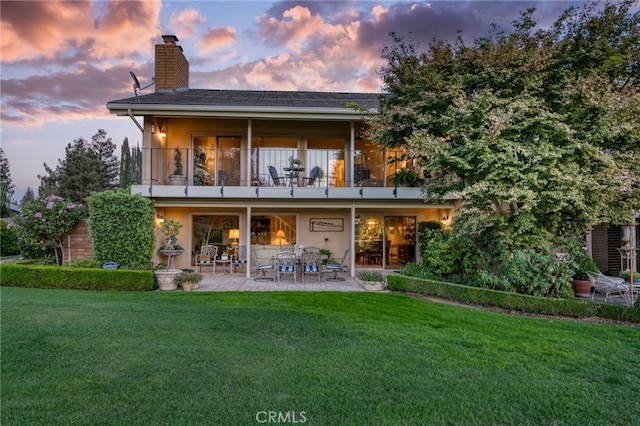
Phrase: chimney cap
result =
(169, 39)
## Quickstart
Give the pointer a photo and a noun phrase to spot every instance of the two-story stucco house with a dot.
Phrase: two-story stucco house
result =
(275, 167)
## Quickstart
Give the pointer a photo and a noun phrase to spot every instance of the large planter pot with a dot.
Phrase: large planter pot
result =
(582, 288)
(178, 180)
(165, 279)
(373, 285)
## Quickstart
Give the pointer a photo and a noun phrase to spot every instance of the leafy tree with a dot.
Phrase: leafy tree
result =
(86, 168)
(42, 224)
(6, 185)
(532, 129)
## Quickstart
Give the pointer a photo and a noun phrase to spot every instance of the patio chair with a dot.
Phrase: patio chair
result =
(277, 180)
(286, 264)
(207, 257)
(337, 266)
(311, 264)
(611, 287)
(239, 258)
(262, 265)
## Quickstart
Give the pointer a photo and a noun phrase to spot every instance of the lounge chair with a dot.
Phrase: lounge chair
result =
(611, 287)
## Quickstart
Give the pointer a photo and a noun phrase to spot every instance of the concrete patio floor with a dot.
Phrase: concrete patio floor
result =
(239, 282)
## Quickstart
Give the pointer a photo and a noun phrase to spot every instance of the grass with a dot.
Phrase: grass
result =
(74, 357)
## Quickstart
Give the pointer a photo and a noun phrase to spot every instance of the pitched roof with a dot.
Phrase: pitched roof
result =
(243, 102)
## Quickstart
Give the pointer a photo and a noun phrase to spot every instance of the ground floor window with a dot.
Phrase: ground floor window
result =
(385, 240)
(217, 230)
(273, 230)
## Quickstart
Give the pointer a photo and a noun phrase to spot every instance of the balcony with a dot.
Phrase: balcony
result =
(274, 173)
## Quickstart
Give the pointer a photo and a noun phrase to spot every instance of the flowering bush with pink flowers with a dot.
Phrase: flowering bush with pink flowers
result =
(42, 224)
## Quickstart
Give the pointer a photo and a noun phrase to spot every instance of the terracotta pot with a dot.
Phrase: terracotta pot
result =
(582, 288)
(187, 286)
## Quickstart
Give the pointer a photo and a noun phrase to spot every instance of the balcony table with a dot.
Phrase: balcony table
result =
(294, 174)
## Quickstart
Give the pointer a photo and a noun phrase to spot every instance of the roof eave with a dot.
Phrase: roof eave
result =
(126, 109)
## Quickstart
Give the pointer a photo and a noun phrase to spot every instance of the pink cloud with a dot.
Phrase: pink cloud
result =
(104, 30)
(215, 38)
(186, 22)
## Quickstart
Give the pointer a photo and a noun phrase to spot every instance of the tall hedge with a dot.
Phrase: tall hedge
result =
(121, 227)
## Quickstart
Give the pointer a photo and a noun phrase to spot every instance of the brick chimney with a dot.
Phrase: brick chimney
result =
(172, 68)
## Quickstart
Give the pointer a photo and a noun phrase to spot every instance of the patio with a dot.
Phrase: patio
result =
(231, 282)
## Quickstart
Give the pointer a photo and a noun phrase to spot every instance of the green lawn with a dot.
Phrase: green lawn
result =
(152, 358)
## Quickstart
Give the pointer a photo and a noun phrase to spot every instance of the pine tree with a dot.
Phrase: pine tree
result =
(125, 164)
(27, 197)
(104, 149)
(87, 167)
(6, 185)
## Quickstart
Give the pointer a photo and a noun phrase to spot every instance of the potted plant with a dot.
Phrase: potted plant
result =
(177, 178)
(294, 163)
(372, 280)
(187, 279)
(406, 177)
(582, 263)
(626, 275)
(326, 255)
(170, 231)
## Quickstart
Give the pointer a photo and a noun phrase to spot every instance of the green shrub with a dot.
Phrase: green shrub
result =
(371, 276)
(578, 308)
(85, 263)
(38, 276)
(187, 277)
(8, 239)
(122, 229)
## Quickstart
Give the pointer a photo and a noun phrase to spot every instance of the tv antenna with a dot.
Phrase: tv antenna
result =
(136, 83)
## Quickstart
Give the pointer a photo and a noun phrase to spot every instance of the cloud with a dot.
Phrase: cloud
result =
(102, 29)
(215, 38)
(62, 60)
(186, 23)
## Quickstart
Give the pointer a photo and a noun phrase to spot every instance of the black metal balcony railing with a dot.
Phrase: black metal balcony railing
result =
(277, 167)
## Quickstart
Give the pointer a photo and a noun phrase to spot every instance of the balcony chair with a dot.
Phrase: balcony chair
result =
(239, 258)
(262, 265)
(313, 175)
(277, 181)
(611, 287)
(207, 257)
(286, 264)
(311, 264)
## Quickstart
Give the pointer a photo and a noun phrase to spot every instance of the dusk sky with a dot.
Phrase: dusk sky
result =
(63, 61)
